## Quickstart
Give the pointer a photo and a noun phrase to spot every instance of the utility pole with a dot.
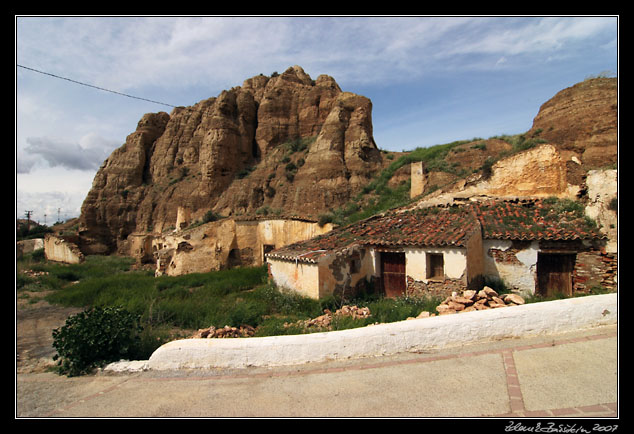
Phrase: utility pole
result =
(28, 220)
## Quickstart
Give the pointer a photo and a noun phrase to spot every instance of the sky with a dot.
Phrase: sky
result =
(431, 79)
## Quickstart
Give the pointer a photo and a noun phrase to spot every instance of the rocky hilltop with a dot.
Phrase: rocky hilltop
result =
(290, 145)
(581, 121)
(281, 144)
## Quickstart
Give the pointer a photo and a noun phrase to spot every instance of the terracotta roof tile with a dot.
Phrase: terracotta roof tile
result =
(450, 226)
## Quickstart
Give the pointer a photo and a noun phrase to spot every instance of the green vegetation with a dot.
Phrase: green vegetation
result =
(130, 313)
(378, 197)
(243, 173)
(95, 337)
(299, 144)
(34, 231)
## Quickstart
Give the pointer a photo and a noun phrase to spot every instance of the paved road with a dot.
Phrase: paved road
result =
(572, 375)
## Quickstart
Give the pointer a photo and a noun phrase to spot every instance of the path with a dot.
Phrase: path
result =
(570, 375)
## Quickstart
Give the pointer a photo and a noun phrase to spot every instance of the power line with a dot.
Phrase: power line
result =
(94, 87)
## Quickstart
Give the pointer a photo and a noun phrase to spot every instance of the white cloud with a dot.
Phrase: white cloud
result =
(47, 205)
(88, 154)
(125, 53)
(182, 60)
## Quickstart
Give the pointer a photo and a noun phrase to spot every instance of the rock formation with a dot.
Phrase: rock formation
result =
(581, 121)
(288, 145)
(285, 143)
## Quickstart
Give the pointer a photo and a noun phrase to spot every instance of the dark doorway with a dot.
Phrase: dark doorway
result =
(554, 273)
(266, 248)
(234, 259)
(393, 273)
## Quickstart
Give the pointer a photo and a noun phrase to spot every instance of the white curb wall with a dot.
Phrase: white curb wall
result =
(382, 339)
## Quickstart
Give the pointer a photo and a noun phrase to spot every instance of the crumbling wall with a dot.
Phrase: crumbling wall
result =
(602, 203)
(62, 249)
(29, 246)
(227, 243)
(418, 180)
(346, 273)
(514, 262)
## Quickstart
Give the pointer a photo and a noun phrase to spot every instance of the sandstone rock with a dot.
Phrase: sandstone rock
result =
(469, 294)
(497, 300)
(225, 332)
(487, 292)
(455, 306)
(223, 154)
(513, 298)
(325, 320)
(582, 119)
(462, 300)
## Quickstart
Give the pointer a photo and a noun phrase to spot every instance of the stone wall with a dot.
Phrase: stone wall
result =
(595, 268)
(62, 249)
(227, 243)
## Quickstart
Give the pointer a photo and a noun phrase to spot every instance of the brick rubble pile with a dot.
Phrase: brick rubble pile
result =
(243, 331)
(471, 300)
(324, 321)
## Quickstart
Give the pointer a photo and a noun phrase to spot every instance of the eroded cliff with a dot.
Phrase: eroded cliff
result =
(285, 144)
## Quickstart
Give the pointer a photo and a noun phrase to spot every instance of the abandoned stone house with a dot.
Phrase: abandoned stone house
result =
(528, 244)
(225, 243)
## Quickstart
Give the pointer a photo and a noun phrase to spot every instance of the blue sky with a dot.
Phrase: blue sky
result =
(431, 79)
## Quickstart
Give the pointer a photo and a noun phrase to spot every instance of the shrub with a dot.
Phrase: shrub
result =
(211, 216)
(95, 337)
(487, 167)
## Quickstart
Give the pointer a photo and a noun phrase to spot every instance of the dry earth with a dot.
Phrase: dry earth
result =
(34, 325)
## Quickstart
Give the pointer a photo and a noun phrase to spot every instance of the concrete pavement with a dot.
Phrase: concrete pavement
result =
(568, 375)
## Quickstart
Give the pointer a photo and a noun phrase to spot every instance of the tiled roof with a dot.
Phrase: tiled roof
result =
(450, 226)
(422, 227)
(533, 220)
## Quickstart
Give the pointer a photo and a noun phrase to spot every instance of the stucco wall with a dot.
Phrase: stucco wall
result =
(518, 269)
(602, 188)
(455, 262)
(415, 335)
(345, 272)
(300, 277)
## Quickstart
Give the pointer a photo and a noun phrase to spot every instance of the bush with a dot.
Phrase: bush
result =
(95, 337)
(211, 216)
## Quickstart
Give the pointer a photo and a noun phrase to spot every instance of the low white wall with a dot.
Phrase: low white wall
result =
(413, 335)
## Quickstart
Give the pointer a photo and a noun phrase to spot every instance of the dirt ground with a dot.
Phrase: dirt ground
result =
(35, 323)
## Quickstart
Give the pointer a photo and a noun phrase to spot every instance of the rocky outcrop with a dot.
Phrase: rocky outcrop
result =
(582, 122)
(284, 142)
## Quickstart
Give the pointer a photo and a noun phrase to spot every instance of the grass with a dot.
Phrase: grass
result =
(173, 307)
(378, 197)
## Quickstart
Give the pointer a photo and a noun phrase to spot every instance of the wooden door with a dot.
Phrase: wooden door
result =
(554, 273)
(393, 273)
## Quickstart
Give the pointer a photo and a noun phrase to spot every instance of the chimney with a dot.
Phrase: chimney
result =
(417, 178)
(183, 218)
